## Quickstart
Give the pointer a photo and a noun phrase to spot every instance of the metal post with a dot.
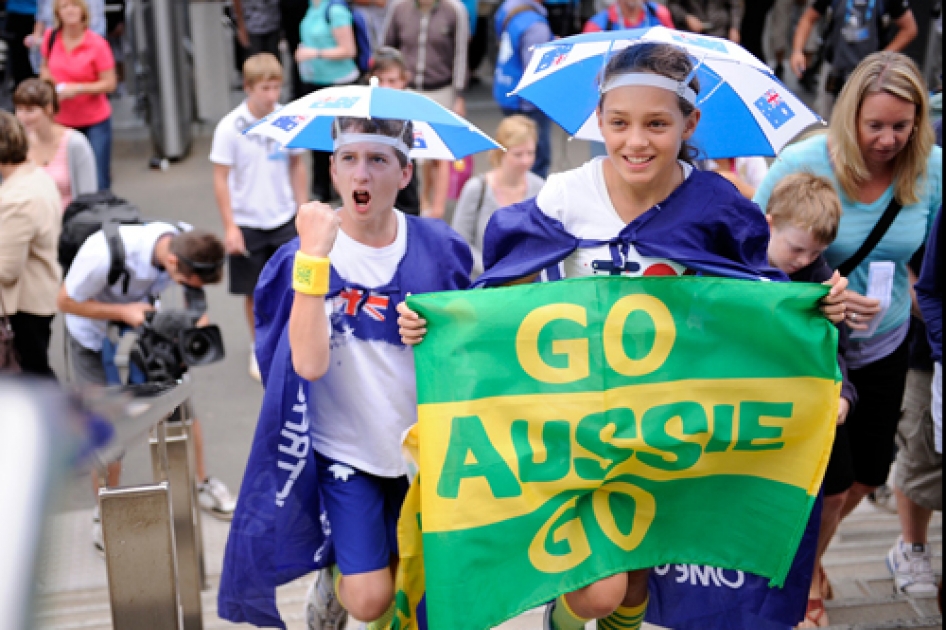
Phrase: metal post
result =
(138, 522)
(139, 558)
(186, 517)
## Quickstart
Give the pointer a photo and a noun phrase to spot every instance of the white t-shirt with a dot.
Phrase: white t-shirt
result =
(368, 396)
(260, 189)
(88, 277)
(579, 199)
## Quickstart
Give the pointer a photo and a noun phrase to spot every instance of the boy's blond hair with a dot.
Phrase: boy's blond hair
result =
(261, 67)
(808, 202)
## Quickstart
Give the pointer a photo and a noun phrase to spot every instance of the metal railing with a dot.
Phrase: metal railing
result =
(152, 532)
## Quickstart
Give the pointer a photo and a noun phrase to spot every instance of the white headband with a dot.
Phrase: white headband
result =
(680, 88)
(344, 139)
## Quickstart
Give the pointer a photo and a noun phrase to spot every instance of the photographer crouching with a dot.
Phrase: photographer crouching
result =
(154, 255)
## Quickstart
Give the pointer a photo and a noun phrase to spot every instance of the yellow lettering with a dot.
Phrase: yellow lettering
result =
(576, 350)
(645, 509)
(572, 532)
(664, 334)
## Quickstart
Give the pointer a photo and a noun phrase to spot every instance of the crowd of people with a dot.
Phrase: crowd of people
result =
(841, 208)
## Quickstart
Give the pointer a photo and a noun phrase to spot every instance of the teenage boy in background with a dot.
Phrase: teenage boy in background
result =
(257, 183)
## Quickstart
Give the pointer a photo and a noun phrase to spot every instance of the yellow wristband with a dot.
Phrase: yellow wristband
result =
(310, 275)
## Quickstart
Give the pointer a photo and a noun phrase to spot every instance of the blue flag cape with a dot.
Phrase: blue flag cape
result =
(707, 226)
(279, 531)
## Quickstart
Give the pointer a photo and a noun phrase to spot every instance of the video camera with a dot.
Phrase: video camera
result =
(170, 342)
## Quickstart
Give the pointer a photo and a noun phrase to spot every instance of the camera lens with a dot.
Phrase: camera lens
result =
(197, 346)
(200, 346)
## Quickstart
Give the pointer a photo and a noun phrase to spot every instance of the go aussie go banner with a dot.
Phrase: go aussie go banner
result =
(576, 429)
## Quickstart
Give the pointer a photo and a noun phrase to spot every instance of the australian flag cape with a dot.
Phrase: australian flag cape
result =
(279, 530)
(707, 226)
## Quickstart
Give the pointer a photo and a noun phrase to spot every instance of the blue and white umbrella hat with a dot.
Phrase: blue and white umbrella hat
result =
(746, 111)
(306, 123)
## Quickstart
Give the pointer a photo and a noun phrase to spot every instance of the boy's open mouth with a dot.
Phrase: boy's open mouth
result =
(361, 197)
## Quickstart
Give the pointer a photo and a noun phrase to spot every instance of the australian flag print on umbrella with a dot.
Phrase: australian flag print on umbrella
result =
(306, 123)
(745, 109)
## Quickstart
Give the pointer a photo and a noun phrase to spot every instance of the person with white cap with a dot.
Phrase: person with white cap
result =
(354, 265)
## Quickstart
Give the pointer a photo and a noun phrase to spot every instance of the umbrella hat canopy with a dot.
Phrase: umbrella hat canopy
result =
(745, 110)
(306, 123)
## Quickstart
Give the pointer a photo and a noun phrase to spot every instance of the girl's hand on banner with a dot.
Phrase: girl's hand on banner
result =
(834, 305)
(412, 326)
(317, 225)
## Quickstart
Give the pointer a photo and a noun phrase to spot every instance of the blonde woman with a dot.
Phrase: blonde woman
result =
(79, 63)
(879, 148)
(63, 153)
(510, 181)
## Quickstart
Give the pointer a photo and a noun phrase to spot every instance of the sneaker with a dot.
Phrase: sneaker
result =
(98, 540)
(912, 568)
(214, 497)
(254, 367)
(884, 499)
(323, 611)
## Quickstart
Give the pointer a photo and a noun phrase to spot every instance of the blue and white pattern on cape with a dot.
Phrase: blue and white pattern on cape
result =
(705, 225)
(279, 532)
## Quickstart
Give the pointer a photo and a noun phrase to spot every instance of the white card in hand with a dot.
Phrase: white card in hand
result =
(879, 287)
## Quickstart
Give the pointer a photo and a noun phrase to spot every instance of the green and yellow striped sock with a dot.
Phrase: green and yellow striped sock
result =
(624, 618)
(563, 618)
(384, 621)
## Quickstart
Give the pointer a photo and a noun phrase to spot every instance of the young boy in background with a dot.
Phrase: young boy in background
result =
(803, 214)
(257, 183)
(389, 68)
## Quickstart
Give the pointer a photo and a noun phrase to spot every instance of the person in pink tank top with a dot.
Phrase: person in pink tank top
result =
(64, 154)
(80, 64)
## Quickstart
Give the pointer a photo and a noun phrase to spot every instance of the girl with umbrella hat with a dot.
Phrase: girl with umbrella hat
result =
(642, 210)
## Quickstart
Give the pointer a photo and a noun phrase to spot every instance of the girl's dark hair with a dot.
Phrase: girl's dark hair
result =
(657, 58)
(36, 93)
(403, 129)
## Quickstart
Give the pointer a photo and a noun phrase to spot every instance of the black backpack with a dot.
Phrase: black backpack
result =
(87, 214)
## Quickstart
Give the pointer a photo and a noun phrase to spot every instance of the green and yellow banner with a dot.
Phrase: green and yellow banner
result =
(572, 430)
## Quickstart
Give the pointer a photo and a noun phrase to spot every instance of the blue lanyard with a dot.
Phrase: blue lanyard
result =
(870, 9)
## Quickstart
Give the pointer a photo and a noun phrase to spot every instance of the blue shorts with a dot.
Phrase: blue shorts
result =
(362, 511)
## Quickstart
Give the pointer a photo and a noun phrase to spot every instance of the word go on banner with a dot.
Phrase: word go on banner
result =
(576, 429)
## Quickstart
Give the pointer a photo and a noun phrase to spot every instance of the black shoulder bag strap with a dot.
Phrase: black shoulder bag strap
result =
(886, 220)
(49, 45)
(116, 251)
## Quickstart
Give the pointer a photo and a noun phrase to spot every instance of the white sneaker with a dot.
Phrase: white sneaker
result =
(214, 497)
(323, 611)
(97, 538)
(254, 367)
(912, 568)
